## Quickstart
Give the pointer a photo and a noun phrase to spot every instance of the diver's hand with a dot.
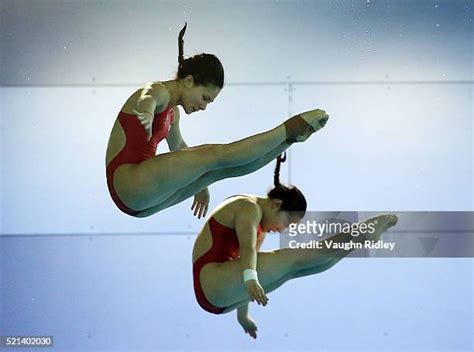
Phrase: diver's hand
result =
(146, 119)
(248, 325)
(256, 292)
(201, 203)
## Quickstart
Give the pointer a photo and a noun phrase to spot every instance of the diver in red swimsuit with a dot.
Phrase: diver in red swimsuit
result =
(142, 183)
(228, 269)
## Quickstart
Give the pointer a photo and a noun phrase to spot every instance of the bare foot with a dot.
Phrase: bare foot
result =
(381, 224)
(301, 126)
(316, 120)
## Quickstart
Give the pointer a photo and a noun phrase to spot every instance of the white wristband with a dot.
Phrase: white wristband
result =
(250, 274)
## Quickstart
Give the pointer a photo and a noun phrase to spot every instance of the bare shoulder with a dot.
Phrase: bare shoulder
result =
(246, 209)
(159, 92)
(155, 89)
(237, 209)
(158, 87)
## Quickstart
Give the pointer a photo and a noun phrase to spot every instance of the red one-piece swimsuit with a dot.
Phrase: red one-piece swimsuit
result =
(137, 147)
(225, 247)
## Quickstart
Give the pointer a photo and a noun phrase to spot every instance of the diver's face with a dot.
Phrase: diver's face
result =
(197, 97)
(278, 220)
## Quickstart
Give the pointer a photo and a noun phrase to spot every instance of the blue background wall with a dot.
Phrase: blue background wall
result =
(396, 78)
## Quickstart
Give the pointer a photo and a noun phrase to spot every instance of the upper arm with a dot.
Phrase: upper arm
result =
(246, 222)
(158, 92)
(174, 139)
(260, 241)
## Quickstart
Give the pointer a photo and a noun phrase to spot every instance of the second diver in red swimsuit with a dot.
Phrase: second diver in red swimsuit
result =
(228, 268)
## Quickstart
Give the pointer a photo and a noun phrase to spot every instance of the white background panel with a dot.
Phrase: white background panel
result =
(388, 148)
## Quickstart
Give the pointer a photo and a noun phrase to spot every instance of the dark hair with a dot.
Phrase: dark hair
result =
(205, 68)
(292, 198)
